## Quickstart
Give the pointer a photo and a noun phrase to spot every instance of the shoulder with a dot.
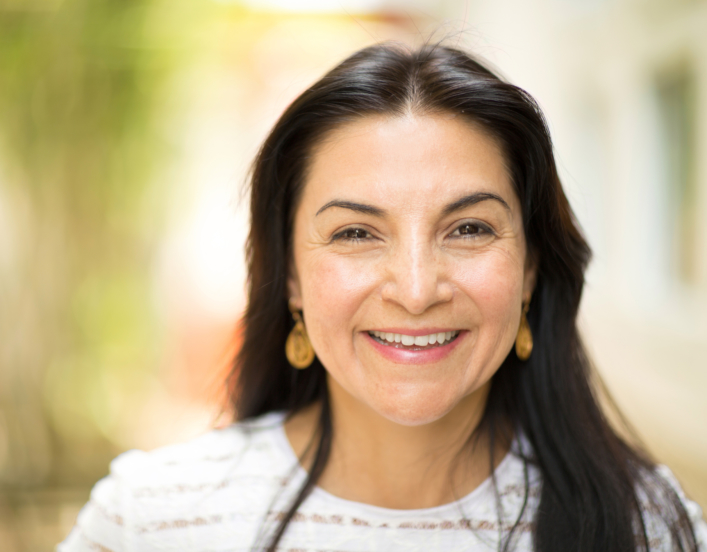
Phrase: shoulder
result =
(252, 445)
(658, 494)
(657, 490)
(153, 500)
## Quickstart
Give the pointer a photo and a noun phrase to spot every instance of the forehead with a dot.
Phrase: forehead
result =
(397, 160)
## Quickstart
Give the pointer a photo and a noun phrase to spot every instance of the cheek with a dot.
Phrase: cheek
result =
(494, 283)
(335, 289)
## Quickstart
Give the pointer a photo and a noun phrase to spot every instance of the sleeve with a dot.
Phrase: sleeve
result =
(101, 524)
(698, 523)
(694, 512)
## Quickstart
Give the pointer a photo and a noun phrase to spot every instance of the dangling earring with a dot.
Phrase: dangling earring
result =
(298, 348)
(524, 339)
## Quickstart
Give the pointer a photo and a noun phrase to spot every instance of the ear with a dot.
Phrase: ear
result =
(530, 274)
(293, 288)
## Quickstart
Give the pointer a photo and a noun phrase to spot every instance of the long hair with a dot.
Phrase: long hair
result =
(592, 480)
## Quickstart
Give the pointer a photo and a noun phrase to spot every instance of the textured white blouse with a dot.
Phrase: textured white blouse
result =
(228, 489)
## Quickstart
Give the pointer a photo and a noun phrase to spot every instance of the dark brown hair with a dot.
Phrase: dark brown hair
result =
(592, 479)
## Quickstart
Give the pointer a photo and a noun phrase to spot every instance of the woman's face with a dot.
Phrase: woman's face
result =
(410, 263)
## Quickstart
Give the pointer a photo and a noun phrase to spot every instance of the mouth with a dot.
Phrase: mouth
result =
(414, 342)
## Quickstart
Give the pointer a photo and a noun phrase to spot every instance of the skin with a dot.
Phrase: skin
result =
(418, 259)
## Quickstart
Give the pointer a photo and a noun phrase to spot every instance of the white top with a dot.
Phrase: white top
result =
(214, 493)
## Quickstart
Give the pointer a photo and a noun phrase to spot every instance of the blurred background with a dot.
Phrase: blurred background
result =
(126, 131)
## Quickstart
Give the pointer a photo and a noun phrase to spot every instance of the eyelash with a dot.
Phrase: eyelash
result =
(481, 230)
(342, 236)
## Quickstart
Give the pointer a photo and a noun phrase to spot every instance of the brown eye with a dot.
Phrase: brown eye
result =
(353, 234)
(469, 229)
(472, 230)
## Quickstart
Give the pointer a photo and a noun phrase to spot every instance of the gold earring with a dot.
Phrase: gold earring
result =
(524, 339)
(298, 348)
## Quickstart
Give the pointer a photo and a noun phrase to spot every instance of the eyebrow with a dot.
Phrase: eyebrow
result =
(459, 204)
(473, 199)
(358, 207)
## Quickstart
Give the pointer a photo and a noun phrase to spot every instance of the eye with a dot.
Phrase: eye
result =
(472, 230)
(352, 234)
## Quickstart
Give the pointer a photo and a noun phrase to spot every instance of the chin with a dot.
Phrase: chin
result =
(415, 409)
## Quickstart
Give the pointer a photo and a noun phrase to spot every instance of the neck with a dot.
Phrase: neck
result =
(379, 462)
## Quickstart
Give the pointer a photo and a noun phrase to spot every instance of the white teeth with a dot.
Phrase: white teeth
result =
(417, 341)
(421, 340)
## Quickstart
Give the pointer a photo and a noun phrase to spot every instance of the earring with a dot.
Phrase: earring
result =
(298, 348)
(524, 339)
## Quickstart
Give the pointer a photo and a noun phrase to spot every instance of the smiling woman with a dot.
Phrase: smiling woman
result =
(421, 234)
(408, 228)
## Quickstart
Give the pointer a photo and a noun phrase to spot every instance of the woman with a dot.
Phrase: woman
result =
(411, 376)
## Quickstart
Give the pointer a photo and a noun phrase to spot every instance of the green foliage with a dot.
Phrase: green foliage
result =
(82, 87)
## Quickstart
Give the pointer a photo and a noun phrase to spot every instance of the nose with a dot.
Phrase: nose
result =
(416, 277)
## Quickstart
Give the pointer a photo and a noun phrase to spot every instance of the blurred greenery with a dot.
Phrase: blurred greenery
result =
(94, 101)
(81, 98)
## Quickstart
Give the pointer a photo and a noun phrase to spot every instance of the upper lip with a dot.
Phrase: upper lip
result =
(412, 332)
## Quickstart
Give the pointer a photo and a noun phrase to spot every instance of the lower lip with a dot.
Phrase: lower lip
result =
(410, 356)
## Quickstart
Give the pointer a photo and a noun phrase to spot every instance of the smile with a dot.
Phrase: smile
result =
(414, 343)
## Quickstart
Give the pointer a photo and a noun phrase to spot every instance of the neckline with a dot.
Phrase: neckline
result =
(476, 495)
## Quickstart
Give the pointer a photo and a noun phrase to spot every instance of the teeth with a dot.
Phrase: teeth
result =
(417, 341)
